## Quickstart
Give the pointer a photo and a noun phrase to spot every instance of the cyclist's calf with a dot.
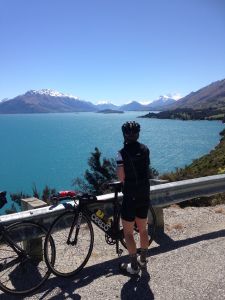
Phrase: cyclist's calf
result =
(143, 232)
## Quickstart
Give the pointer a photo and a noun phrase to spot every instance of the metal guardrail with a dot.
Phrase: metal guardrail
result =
(161, 195)
(179, 191)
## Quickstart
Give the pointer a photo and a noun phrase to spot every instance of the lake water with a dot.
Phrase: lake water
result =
(53, 149)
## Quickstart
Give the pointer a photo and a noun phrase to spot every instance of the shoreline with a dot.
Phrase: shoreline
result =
(188, 114)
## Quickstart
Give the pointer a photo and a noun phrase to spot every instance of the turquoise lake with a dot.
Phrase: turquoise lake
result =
(53, 149)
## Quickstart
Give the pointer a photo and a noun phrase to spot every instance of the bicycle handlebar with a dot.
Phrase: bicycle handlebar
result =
(73, 195)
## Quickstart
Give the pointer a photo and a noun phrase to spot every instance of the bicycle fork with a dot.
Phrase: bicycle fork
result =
(77, 223)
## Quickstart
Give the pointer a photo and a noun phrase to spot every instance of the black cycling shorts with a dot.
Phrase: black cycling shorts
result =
(134, 207)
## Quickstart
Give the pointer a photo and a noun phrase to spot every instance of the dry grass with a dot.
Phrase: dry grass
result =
(175, 206)
(95, 254)
(219, 210)
(177, 226)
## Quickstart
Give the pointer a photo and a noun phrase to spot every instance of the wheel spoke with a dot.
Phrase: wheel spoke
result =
(26, 273)
(70, 258)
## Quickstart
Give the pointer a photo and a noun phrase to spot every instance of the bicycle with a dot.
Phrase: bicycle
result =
(22, 265)
(73, 233)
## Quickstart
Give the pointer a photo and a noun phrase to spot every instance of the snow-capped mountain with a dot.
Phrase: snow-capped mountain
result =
(3, 100)
(50, 92)
(45, 101)
(161, 102)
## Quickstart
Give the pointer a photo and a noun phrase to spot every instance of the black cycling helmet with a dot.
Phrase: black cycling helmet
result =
(131, 131)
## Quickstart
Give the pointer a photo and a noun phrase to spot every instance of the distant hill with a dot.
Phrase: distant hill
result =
(106, 105)
(134, 105)
(45, 101)
(211, 96)
(110, 111)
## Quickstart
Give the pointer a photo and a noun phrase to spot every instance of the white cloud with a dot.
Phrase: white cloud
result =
(104, 102)
(175, 96)
(145, 102)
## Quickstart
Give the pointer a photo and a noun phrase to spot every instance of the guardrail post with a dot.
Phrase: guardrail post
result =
(33, 246)
(159, 217)
(158, 210)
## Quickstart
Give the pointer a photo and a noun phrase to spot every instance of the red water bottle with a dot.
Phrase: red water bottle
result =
(65, 194)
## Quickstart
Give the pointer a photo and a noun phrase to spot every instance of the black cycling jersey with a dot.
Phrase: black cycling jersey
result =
(134, 157)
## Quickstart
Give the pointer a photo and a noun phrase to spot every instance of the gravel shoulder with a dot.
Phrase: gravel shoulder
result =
(185, 262)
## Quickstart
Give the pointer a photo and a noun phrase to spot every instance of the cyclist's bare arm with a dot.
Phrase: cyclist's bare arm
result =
(120, 173)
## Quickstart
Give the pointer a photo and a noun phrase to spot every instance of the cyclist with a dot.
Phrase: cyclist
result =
(133, 171)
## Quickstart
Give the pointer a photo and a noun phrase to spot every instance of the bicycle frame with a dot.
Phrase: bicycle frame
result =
(112, 229)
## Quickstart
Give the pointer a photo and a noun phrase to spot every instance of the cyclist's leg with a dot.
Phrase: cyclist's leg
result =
(143, 232)
(128, 217)
(141, 222)
(141, 215)
(128, 228)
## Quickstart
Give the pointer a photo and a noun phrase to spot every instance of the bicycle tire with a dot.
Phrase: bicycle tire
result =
(151, 229)
(21, 275)
(70, 259)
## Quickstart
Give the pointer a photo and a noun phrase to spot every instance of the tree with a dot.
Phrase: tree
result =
(153, 173)
(16, 197)
(100, 172)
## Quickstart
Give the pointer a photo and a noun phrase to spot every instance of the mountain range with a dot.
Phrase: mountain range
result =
(212, 96)
(51, 101)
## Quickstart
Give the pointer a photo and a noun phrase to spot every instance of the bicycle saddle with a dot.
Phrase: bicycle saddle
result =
(85, 197)
(116, 185)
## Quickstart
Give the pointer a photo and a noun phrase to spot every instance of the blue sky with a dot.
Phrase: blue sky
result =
(114, 50)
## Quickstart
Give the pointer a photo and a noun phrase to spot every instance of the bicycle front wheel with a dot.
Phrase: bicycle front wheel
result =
(24, 270)
(151, 229)
(73, 242)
